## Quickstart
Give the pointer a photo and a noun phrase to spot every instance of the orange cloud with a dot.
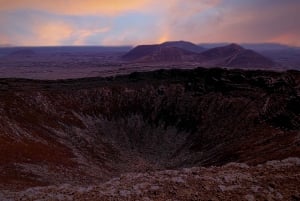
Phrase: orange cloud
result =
(48, 34)
(179, 8)
(250, 22)
(4, 40)
(287, 38)
(76, 7)
(193, 20)
(53, 33)
(164, 37)
(178, 15)
(124, 38)
(82, 35)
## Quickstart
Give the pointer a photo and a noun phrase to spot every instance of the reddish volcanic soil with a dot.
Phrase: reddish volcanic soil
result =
(161, 135)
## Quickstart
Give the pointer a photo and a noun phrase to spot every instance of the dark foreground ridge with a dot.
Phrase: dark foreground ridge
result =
(275, 180)
(86, 131)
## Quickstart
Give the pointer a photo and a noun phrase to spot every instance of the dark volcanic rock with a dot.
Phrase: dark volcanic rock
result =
(89, 130)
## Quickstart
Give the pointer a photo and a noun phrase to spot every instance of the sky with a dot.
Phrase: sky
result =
(132, 22)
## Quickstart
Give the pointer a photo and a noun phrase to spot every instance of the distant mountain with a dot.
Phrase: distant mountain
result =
(231, 55)
(212, 45)
(234, 55)
(168, 51)
(140, 52)
(169, 54)
(265, 46)
(184, 45)
(221, 52)
(165, 54)
(250, 58)
(253, 46)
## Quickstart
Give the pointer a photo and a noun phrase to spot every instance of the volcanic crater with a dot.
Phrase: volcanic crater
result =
(85, 131)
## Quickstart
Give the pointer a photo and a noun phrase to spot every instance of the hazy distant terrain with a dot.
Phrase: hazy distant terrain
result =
(287, 56)
(76, 62)
(58, 62)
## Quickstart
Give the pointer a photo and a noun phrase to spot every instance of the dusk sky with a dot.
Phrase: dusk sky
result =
(131, 22)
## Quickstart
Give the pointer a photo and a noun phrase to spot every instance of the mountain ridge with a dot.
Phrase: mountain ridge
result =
(231, 55)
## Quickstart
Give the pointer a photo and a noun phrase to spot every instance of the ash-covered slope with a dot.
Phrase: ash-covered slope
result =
(88, 130)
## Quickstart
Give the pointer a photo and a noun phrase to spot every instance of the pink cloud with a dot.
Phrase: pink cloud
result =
(50, 33)
(193, 20)
(82, 35)
(76, 7)
(178, 12)
(245, 22)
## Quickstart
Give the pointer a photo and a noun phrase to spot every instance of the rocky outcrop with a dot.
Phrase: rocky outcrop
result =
(275, 180)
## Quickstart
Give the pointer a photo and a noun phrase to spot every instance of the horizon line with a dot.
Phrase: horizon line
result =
(128, 45)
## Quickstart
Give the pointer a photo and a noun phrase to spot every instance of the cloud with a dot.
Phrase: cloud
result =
(50, 32)
(238, 21)
(57, 33)
(82, 35)
(75, 7)
(4, 40)
(181, 9)
(120, 22)
(261, 22)
(286, 38)
(179, 15)
(45, 34)
(128, 37)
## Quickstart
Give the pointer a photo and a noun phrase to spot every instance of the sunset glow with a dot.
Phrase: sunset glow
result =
(118, 22)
